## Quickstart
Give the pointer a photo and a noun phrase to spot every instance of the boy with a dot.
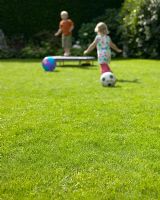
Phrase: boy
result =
(66, 27)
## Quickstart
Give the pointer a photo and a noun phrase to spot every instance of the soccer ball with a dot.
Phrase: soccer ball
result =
(49, 63)
(108, 79)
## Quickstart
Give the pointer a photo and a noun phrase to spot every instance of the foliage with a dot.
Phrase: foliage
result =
(42, 44)
(25, 23)
(141, 27)
(74, 51)
(7, 53)
(148, 39)
(86, 34)
(32, 16)
(31, 51)
(64, 136)
(14, 46)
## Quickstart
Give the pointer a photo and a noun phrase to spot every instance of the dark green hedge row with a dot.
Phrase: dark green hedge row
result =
(28, 17)
(141, 28)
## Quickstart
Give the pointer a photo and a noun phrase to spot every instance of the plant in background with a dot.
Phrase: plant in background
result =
(140, 28)
(86, 34)
(14, 45)
(129, 23)
(42, 44)
(148, 37)
(33, 51)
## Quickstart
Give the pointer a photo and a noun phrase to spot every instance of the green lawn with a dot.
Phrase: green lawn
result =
(64, 136)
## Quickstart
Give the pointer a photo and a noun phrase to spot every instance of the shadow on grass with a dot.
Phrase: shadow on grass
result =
(67, 65)
(55, 71)
(128, 81)
(133, 59)
(78, 66)
(122, 81)
(22, 60)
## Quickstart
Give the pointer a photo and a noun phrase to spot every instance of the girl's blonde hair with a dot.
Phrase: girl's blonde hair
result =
(101, 27)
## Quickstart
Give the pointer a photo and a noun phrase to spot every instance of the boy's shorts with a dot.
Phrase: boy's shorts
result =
(66, 42)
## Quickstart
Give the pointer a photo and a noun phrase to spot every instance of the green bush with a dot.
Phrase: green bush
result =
(32, 51)
(29, 17)
(42, 44)
(7, 53)
(148, 38)
(86, 34)
(14, 46)
(140, 28)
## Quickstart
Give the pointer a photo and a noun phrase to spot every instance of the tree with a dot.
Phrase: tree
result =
(28, 17)
(141, 27)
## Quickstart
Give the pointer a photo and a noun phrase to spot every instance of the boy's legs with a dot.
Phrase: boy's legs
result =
(105, 68)
(67, 44)
(66, 52)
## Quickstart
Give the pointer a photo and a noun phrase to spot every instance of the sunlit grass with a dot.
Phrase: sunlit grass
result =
(64, 136)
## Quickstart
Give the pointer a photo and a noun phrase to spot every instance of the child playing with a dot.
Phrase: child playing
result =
(104, 44)
(66, 27)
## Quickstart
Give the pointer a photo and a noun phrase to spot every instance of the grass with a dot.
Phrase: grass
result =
(64, 136)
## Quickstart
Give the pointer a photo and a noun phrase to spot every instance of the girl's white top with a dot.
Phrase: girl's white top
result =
(103, 48)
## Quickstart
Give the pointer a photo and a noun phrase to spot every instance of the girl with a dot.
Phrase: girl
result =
(104, 44)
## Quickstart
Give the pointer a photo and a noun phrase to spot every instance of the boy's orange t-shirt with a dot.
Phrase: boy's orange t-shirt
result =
(65, 26)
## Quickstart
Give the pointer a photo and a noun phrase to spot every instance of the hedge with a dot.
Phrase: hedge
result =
(28, 17)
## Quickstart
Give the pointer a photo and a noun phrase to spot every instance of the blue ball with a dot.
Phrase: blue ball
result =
(49, 63)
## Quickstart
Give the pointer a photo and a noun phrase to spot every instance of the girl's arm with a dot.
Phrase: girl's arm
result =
(91, 47)
(114, 47)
